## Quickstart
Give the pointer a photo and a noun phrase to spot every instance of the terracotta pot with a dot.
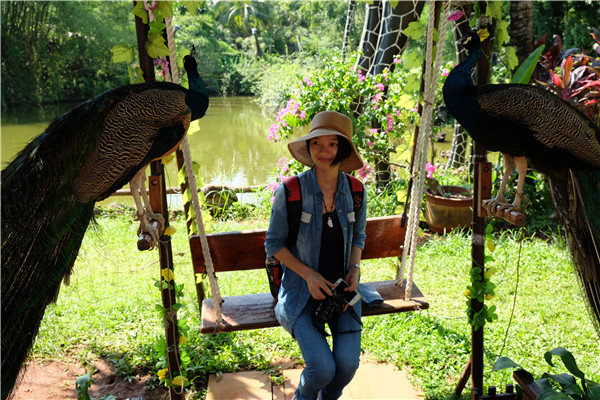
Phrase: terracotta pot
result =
(443, 214)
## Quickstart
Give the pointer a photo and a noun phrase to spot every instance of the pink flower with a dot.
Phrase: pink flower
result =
(303, 114)
(273, 132)
(397, 60)
(430, 169)
(390, 122)
(273, 186)
(455, 15)
(370, 143)
(380, 86)
(445, 72)
(151, 5)
(307, 81)
(374, 131)
(364, 171)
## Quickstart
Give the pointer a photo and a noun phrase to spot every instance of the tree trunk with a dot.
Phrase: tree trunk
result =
(521, 28)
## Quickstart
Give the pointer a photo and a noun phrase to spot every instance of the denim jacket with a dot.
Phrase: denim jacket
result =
(293, 293)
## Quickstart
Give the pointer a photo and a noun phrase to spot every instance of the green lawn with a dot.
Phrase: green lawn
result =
(109, 310)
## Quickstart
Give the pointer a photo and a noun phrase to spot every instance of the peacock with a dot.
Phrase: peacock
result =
(528, 124)
(50, 188)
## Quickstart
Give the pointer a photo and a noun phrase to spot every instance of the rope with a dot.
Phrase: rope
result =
(193, 188)
(410, 241)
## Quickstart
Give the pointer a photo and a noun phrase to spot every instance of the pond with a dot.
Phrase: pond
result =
(231, 144)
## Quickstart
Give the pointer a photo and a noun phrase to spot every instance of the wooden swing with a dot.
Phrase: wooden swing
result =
(386, 237)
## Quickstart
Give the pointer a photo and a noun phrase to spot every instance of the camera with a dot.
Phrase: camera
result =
(332, 306)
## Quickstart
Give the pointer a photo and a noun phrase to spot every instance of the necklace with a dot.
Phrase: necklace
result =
(328, 213)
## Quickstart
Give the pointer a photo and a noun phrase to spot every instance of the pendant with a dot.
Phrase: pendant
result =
(329, 222)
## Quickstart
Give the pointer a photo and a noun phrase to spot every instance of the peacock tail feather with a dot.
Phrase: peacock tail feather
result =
(50, 188)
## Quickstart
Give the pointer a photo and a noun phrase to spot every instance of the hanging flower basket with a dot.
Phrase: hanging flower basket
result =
(445, 213)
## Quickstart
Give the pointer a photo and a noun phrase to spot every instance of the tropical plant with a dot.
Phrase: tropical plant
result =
(559, 386)
(573, 75)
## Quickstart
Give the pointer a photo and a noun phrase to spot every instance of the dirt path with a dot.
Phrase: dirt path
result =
(52, 380)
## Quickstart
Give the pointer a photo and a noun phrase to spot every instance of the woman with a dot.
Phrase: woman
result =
(329, 246)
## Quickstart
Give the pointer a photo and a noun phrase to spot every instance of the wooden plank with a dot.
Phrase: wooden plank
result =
(244, 250)
(255, 311)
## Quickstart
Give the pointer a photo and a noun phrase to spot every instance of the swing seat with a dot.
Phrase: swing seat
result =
(244, 250)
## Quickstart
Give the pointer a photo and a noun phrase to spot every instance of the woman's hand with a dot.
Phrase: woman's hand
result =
(317, 285)
(352, 279)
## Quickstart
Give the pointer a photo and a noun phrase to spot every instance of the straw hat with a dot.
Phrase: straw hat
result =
(327, 123)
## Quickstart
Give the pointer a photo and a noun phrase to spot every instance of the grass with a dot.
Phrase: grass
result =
(109, 310)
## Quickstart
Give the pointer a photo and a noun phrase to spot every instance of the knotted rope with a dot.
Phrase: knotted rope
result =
(193, 187)
(418, 172)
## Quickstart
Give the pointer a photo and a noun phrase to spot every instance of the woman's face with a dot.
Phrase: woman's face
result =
(323, 150)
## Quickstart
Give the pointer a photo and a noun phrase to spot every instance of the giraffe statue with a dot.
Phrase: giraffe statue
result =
(349, 16)
(382, 40)
(370, 35)
(391, 39)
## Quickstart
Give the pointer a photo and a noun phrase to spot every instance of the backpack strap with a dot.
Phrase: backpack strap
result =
(358, 193)
(293, 196)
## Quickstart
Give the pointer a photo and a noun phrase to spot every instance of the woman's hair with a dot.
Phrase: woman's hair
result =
(344, 150)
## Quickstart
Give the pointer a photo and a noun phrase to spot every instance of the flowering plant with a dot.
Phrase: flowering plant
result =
(389, 103)
(450, 176)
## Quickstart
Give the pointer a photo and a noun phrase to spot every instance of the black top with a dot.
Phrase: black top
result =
(331, 258)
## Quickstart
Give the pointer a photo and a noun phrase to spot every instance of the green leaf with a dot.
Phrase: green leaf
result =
(504, 363)
(122, 53)
(567, 359)
(82, 385)
(415, 30)
(511, 58)
(525, 71)
(494, 9)
(406, 101)
(191, 6)
(140, 11)
(593, 391)
(552, 395)
(156, 47)
(502, 32)
(164, 9)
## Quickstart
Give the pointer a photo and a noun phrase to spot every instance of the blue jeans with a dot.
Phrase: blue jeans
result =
(327, 371)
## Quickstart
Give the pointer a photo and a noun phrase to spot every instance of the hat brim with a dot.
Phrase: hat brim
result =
(299, 151)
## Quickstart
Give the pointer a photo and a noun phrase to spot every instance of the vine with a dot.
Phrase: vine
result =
(482, 288)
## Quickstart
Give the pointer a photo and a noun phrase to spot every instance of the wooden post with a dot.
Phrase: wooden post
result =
(158, 201)
(478, 225)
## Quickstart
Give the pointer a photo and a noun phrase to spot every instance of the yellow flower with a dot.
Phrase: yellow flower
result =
(177, 381)
(162, 374)
(168, 159)
(467, 293)
(183, 339)
(490, 271)
(490, 245)
(169, 231)
(489, 296)
(167, 274)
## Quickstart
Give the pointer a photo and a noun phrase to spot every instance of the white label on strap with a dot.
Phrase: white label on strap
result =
(351, 217)
(305, 217)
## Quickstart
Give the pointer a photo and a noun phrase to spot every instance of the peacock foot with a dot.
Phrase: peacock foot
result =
(496, 207)
(151, 223)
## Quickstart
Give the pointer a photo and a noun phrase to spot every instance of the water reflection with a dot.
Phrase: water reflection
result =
(230, 142)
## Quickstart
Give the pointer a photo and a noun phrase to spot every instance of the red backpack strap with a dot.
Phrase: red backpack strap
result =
(293, 196)
(357, 189)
